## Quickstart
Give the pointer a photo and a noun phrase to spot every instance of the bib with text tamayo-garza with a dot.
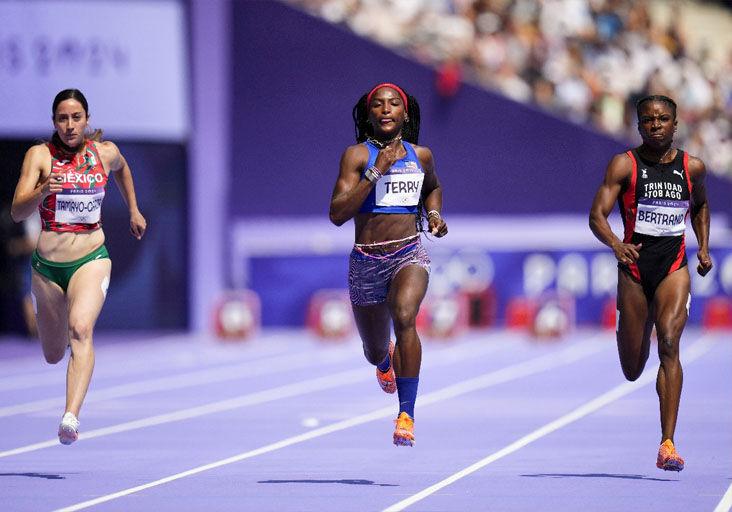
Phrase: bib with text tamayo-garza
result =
(79, 206)
(401, 186)
(661, 217)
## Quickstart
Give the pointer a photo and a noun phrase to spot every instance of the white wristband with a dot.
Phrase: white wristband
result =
(433, 213)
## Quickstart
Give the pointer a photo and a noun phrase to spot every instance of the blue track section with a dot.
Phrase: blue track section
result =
(285, 423)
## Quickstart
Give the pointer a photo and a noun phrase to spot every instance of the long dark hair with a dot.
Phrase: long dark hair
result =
(410, 129)
(72, 94)
(410, 133)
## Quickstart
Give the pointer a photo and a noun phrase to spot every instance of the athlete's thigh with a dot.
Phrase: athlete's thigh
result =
(671, 302)
(373, 323)
(87, 291)
(51, 311)
(407, 289)
(634, 317)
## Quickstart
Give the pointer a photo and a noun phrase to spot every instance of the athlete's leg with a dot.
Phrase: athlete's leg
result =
(86, 293)
(670, 303)
(635, 324)
(373, 327)
(407, 290)
(51, 317)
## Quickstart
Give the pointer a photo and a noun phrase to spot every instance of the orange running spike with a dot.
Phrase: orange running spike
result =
(668, 459)
(404, 431)
(387, 380)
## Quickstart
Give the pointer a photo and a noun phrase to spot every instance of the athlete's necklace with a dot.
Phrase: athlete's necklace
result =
(382, 144)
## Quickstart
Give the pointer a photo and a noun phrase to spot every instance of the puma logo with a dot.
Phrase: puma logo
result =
(679, 173)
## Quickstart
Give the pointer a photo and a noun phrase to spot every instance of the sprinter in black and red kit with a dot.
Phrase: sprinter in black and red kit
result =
(656, 186)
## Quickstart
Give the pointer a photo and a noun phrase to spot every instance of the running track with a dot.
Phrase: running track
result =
(283, 423)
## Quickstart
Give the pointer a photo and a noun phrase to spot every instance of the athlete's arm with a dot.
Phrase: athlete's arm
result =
(700, 213)
(618, 172)
(350, 190)
(32, 188)
(431, 192)
(119, 168)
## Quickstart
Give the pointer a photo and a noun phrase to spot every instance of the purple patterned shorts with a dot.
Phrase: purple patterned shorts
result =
(370, 275)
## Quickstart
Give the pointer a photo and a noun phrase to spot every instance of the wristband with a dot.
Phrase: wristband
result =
(433, 213)
(373, 174)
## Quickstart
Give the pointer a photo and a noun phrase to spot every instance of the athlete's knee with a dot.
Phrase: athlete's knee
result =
(404, 317)
(80, 331)
(374, 355)
(633, 367)
(53, 356)
(632, 373)
(668, 348)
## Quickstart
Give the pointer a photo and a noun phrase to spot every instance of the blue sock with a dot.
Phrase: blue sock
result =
(407, 389)
(384, 365)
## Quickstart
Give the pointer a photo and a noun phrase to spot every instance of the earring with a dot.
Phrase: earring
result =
(406, 119)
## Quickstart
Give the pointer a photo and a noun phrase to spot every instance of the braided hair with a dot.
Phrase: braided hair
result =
(656, 97)
(410, 133)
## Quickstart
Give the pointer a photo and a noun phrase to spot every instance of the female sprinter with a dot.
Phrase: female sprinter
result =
(655, 185)
(65, 179)
(384, 183)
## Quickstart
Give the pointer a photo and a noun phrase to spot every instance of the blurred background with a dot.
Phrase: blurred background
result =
(234, 115)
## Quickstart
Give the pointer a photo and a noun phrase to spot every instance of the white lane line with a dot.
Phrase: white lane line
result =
(692, 353)
(110, 345)
(181, 358)
(726, 502)
(443, 357)
(540, 364)
(240, 371)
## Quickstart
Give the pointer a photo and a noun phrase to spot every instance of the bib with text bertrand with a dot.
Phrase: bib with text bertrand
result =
(661, 217)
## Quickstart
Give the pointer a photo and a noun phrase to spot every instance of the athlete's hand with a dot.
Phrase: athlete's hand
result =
(438, 227)
(387, 156)
(705, 263)
(627, 253)
(138, 224)
(53, 184)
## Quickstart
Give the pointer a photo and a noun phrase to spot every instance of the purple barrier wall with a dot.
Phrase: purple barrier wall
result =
(296, 80)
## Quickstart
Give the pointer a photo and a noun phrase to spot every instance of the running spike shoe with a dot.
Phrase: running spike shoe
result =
(68, 430)
(404, 431)
(668, 459)
(387, 379)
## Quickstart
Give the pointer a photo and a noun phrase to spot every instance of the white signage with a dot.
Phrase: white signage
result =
(129, 58)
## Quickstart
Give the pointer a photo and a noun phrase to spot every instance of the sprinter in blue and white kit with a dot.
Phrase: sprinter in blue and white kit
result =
(385, 183)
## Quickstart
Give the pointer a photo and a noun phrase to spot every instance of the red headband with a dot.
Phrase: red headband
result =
(391, 86)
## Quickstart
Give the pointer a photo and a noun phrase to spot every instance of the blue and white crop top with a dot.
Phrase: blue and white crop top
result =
(399, 190)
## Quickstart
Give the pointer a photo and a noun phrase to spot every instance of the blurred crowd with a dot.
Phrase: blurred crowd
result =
(587, 60)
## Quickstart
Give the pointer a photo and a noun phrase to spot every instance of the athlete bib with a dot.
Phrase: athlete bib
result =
(399, 189)
(661, 217)
(79, 206)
